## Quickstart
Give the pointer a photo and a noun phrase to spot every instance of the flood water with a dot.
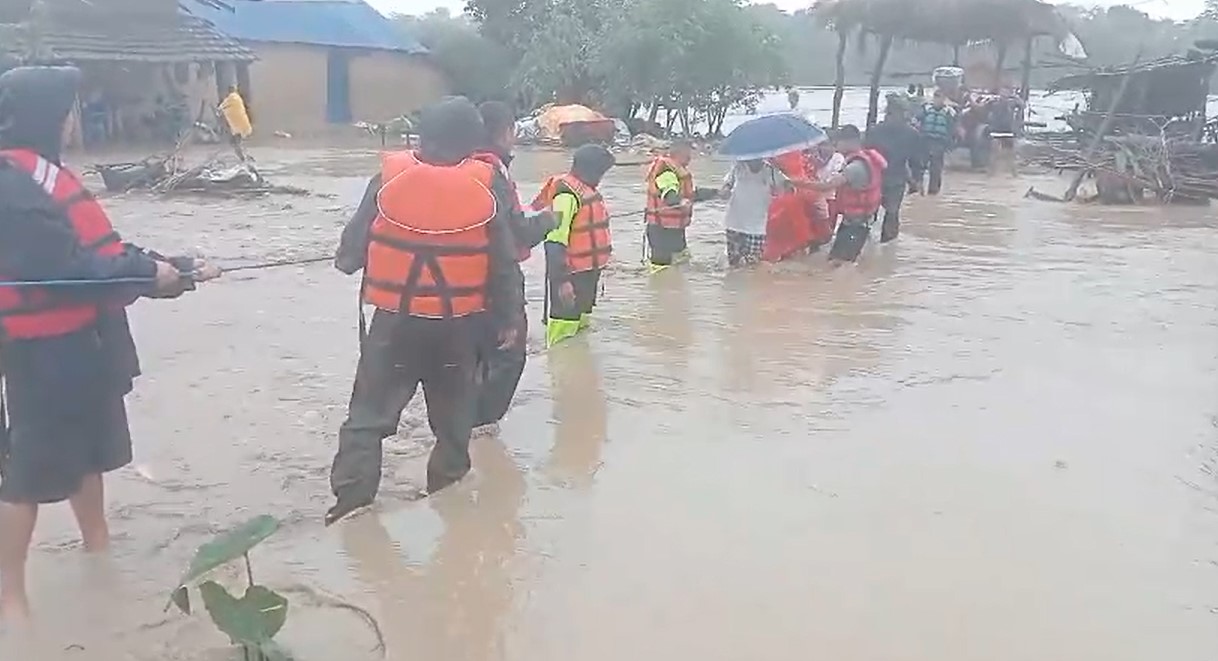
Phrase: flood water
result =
(995, 439)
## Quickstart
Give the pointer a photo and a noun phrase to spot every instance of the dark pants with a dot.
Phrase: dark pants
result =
(850, 239)
(65, 416)
(499, 371)
(894, 195)
(936, 150)
(665, 243)
(586, 285)
(400, 353)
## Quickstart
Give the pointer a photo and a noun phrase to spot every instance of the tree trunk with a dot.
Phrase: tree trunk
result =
(839, 84)
(873, 104)
(1025, 80)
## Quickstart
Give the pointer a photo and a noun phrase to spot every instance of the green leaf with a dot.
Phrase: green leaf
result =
(222, 550)
(252, 620)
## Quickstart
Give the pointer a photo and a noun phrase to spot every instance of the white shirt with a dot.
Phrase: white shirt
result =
(749, 206)
(829, 170)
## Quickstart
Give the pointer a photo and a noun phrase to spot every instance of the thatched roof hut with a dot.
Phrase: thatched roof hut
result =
(1004, 23)
(112, 31)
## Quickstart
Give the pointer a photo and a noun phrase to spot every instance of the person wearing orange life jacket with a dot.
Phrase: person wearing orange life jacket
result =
(441, 266)
(66, 352)
(579, 248)
(860, 194)
(671, 195)
(501, 370)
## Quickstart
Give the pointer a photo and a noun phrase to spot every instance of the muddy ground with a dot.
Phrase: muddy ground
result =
(995, 439)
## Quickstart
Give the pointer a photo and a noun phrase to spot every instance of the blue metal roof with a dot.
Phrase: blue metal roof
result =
(342, 23)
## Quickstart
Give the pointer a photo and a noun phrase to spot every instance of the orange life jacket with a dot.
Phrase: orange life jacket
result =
(589, 244)
(523, 252)
(857, 203)
(33, 312)
(660, 213)
(429, 251)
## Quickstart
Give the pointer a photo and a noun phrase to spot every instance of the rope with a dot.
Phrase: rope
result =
(231, 269)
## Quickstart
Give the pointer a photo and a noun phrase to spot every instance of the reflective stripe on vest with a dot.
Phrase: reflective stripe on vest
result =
(660, 213)
(856, 203)
(429, 251)
(33, 312)
(590, 243)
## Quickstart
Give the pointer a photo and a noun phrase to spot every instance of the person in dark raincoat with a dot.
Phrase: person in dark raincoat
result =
(501, 370)
(66, 352)
(440, 265)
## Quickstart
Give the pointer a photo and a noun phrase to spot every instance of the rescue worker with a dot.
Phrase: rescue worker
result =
(860, 191)
(66, 351)
(501, 370)
(440, 265)
(670, 198)
(580, 246)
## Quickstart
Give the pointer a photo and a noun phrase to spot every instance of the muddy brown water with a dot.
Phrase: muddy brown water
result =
(995, 439)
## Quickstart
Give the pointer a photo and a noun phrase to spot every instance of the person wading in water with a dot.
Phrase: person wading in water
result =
(441, 264)
(66, 351)
(580, 247)
(898, 141)
(671, 195)
(859, 194)
(501, 369)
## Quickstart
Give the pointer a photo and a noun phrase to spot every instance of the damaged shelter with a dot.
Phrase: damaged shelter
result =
(1145, 128)
(1006, 24)
(1167, 95)
(148, 70)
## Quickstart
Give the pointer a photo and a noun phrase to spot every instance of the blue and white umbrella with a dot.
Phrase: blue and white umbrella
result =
(771, 135)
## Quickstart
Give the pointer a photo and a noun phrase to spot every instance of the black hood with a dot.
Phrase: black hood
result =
(590, 164)
(34, 102)
(449, 131)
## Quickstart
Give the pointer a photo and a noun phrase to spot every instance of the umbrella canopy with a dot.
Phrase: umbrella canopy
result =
(771, 135)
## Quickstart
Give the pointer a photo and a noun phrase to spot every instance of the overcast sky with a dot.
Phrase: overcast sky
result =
(1177, 9)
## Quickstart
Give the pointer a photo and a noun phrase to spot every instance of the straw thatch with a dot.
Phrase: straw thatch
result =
(946, 21)
(115, 31)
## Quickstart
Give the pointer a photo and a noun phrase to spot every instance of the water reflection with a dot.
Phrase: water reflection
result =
(452, 604)
(581, 414)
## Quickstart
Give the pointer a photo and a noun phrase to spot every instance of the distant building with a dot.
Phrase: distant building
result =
(322, 63)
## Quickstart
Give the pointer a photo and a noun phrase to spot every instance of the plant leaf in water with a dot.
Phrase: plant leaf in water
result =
(251, 620)
(223, 549)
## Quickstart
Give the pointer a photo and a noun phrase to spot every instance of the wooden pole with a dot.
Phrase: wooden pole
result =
(955, 55)
(1109, 118)
(1000, 62)
(1025, 80)
(873, 104)
(839, 85)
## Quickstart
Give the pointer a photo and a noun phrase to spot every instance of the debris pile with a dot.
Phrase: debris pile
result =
(1170, 169)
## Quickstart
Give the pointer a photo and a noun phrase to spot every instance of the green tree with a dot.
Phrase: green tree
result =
(476, 66)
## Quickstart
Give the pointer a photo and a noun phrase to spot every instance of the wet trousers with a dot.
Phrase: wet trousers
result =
(894, 195)
(400, 353)
(565, 321)
(851, 237)
(667, 245)
(936, 151)
(499, 373)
